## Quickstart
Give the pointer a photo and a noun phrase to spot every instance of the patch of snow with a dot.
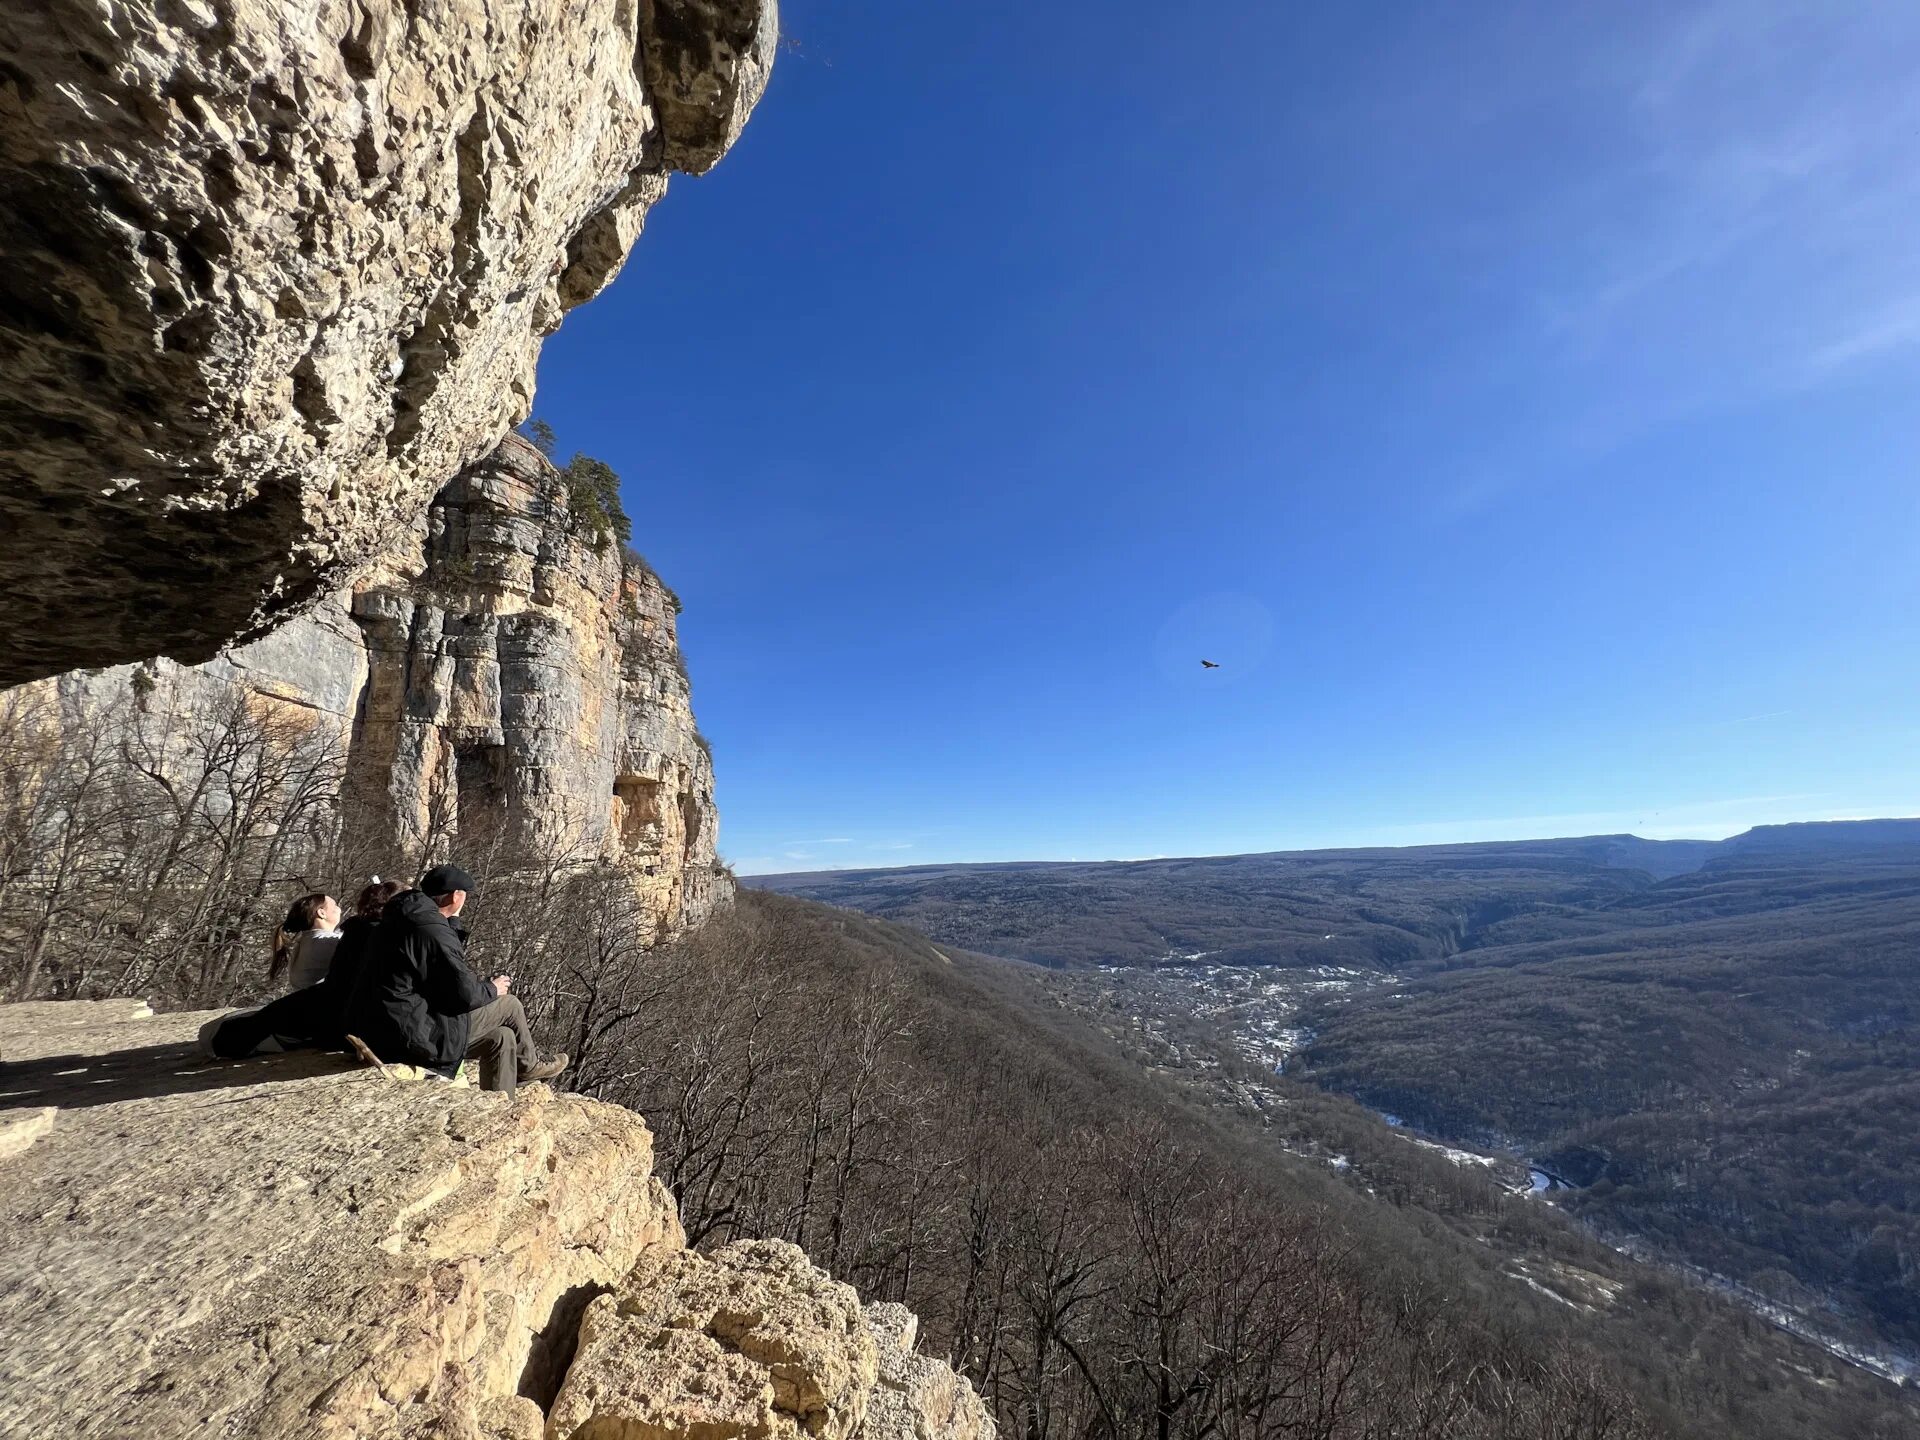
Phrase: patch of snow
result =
(1528, 1280)
(1458, 1157)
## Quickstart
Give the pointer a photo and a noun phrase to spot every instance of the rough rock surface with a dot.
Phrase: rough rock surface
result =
(784, 1347)
(498, 669)
(918, 1398)
(273, 271)
(289, 1247)
(286, 1246)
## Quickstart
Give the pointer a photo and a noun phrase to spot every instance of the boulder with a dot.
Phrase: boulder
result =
(917, 1398)
(779, 1349)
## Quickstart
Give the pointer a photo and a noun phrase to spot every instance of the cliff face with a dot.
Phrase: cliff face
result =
(273, 271)
(287, 1247)
(523, 674)
(504, 677)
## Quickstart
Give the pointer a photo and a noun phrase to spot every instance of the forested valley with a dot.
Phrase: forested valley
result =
(1709, 1048)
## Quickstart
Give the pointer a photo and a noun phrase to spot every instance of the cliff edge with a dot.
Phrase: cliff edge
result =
(291, 1247)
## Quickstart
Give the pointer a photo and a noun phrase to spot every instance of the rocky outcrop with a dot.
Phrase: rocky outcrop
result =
(290, 1247)
(507, 681)
(286, 1247)
(273, 271)
(917, 1396)
(782, 1347)
(524, 675)
(754, 1341)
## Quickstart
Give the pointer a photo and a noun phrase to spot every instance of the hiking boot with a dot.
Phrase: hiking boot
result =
(546, 1069)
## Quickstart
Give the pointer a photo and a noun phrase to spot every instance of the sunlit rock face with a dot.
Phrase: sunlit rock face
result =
(299, 1246)
(525, 686)
(753, 1340)
(506, 683)
(273, 271)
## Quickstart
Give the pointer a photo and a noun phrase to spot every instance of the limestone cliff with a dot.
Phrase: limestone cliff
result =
(273, 271)
(523, 671)
(506, 675)
(283, 1247)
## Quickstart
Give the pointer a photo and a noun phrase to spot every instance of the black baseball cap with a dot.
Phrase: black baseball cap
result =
(445, 879)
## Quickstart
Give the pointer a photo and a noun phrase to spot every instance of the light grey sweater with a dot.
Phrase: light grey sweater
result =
(312, 953)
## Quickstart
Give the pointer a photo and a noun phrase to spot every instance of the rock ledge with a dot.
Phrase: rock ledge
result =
(295, 1247)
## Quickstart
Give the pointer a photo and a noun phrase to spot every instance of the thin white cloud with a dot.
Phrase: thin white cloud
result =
(1729, 235)
(1763, 158)
(1747, 719)
(1894, 326)
(805, 855)
(1477, 492)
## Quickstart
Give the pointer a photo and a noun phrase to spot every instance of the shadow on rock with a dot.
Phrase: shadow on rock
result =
(74, 1081)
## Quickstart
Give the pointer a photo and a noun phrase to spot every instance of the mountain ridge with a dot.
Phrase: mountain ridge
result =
(1892, 830)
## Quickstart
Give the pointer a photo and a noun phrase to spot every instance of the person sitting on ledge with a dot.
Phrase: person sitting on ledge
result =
(349, 956)
(418, 1002)
(315, 1013)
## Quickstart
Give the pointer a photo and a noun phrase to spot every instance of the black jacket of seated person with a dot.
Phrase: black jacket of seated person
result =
(415, 988)
(343, 971)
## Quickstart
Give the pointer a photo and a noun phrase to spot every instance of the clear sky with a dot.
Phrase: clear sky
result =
(1520, 402)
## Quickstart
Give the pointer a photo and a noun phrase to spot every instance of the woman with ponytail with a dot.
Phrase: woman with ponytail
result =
(303, 945)
(311, 1013)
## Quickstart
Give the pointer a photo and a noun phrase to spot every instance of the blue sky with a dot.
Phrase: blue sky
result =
(1520, 402)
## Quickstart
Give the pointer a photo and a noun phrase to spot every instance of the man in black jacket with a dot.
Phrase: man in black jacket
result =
(418, 1002)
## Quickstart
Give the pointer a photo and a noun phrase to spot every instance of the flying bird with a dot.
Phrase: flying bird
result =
(1208, 664)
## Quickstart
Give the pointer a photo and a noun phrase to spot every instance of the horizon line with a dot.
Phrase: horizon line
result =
(1333, 849)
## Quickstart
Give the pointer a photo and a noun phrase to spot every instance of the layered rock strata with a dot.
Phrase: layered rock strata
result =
(288, 1247)
(787, 1346)
(506, 676)
(273, 271)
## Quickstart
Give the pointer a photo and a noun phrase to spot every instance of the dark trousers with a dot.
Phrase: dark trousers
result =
(499, 1039)
(304, 1017)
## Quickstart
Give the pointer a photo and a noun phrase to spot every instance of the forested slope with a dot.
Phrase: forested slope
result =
(1101, 1249)
(1730, 1071)
(1374, 907)
(1717, 1043)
